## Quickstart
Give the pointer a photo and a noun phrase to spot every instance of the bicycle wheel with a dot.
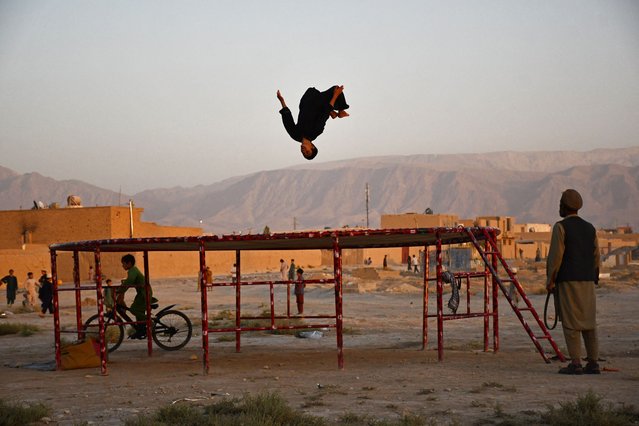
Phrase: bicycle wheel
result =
(114, 333)
(172, 330)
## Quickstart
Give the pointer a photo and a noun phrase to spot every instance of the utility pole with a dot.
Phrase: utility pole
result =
(131, 217)
(367, 204)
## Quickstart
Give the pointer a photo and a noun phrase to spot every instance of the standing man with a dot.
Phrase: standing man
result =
(12, 286)
(46, 295)
(291, 271)
(43, 278)
(283, 269)
(299, 291)
(31, 286)
(572, 270)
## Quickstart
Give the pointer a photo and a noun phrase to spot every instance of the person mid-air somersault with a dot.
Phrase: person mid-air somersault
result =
(315, 108)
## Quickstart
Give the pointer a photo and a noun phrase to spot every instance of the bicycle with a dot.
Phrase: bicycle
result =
(171, 329)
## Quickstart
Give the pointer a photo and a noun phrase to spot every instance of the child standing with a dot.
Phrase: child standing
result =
(299, 291)
(46, 296)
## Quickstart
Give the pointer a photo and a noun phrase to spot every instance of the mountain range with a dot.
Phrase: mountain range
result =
(526, 185)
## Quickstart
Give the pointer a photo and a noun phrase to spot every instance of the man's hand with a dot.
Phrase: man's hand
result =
(550, 286)
(281, 99)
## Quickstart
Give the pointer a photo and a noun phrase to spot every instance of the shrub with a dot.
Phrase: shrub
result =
(19, 414)
(262, 409)
(589, 410)
(18, 328)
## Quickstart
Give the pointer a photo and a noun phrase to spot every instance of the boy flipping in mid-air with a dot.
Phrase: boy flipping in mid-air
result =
(315, 108)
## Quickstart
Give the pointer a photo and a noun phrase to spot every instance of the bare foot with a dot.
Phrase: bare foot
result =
(333, 114)
(343, 114)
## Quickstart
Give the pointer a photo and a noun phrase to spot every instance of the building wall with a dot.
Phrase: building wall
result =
(25, 236)
(18, 227)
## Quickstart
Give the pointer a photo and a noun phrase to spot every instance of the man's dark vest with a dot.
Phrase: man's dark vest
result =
(578, 263)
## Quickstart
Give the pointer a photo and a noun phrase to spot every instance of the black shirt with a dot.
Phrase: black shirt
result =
(314, 110)
(578, 263)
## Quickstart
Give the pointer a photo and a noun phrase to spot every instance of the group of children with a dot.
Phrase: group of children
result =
(42, 288)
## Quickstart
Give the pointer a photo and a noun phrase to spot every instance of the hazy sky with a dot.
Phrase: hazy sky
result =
(146, 94)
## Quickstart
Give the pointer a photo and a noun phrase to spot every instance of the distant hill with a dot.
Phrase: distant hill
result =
(314, 195)
(523, 184)
(20, 191)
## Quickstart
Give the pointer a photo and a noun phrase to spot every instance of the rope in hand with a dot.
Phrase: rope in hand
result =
(554, 301)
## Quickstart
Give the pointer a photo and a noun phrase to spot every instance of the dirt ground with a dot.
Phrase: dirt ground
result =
(386, 374)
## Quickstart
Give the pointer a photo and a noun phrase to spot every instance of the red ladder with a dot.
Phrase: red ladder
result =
(493, 250)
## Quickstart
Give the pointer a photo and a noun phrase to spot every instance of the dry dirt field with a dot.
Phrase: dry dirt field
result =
(386, 373)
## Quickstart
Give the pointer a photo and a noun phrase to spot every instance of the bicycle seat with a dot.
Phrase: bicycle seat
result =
(154, 306)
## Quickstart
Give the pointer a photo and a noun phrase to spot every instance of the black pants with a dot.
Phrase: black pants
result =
(47, 305)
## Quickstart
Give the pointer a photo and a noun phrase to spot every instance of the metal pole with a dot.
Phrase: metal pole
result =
(467, 294)
(78, 296)
(493, 258)
(337, 273)
(367, 204)
(425, 301)
(238, 321)
(100, 298)
(486, 303)
(440, 303)
(56, 312)
(272, 296)
(288, 300)
(131, 218)
(147, 290)
(205, 310)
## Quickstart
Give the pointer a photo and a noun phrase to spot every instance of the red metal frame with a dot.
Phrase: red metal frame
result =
(205, 313)
(78, 298)
(331, 240)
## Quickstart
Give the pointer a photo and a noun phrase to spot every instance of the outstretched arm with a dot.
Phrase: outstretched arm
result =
(287, 119)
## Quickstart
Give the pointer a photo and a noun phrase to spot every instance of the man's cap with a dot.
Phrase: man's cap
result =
(571, 199)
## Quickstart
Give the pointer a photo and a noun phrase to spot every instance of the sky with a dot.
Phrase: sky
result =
(135, 95)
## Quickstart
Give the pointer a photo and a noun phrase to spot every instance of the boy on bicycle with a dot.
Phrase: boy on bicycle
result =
(136, 279)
